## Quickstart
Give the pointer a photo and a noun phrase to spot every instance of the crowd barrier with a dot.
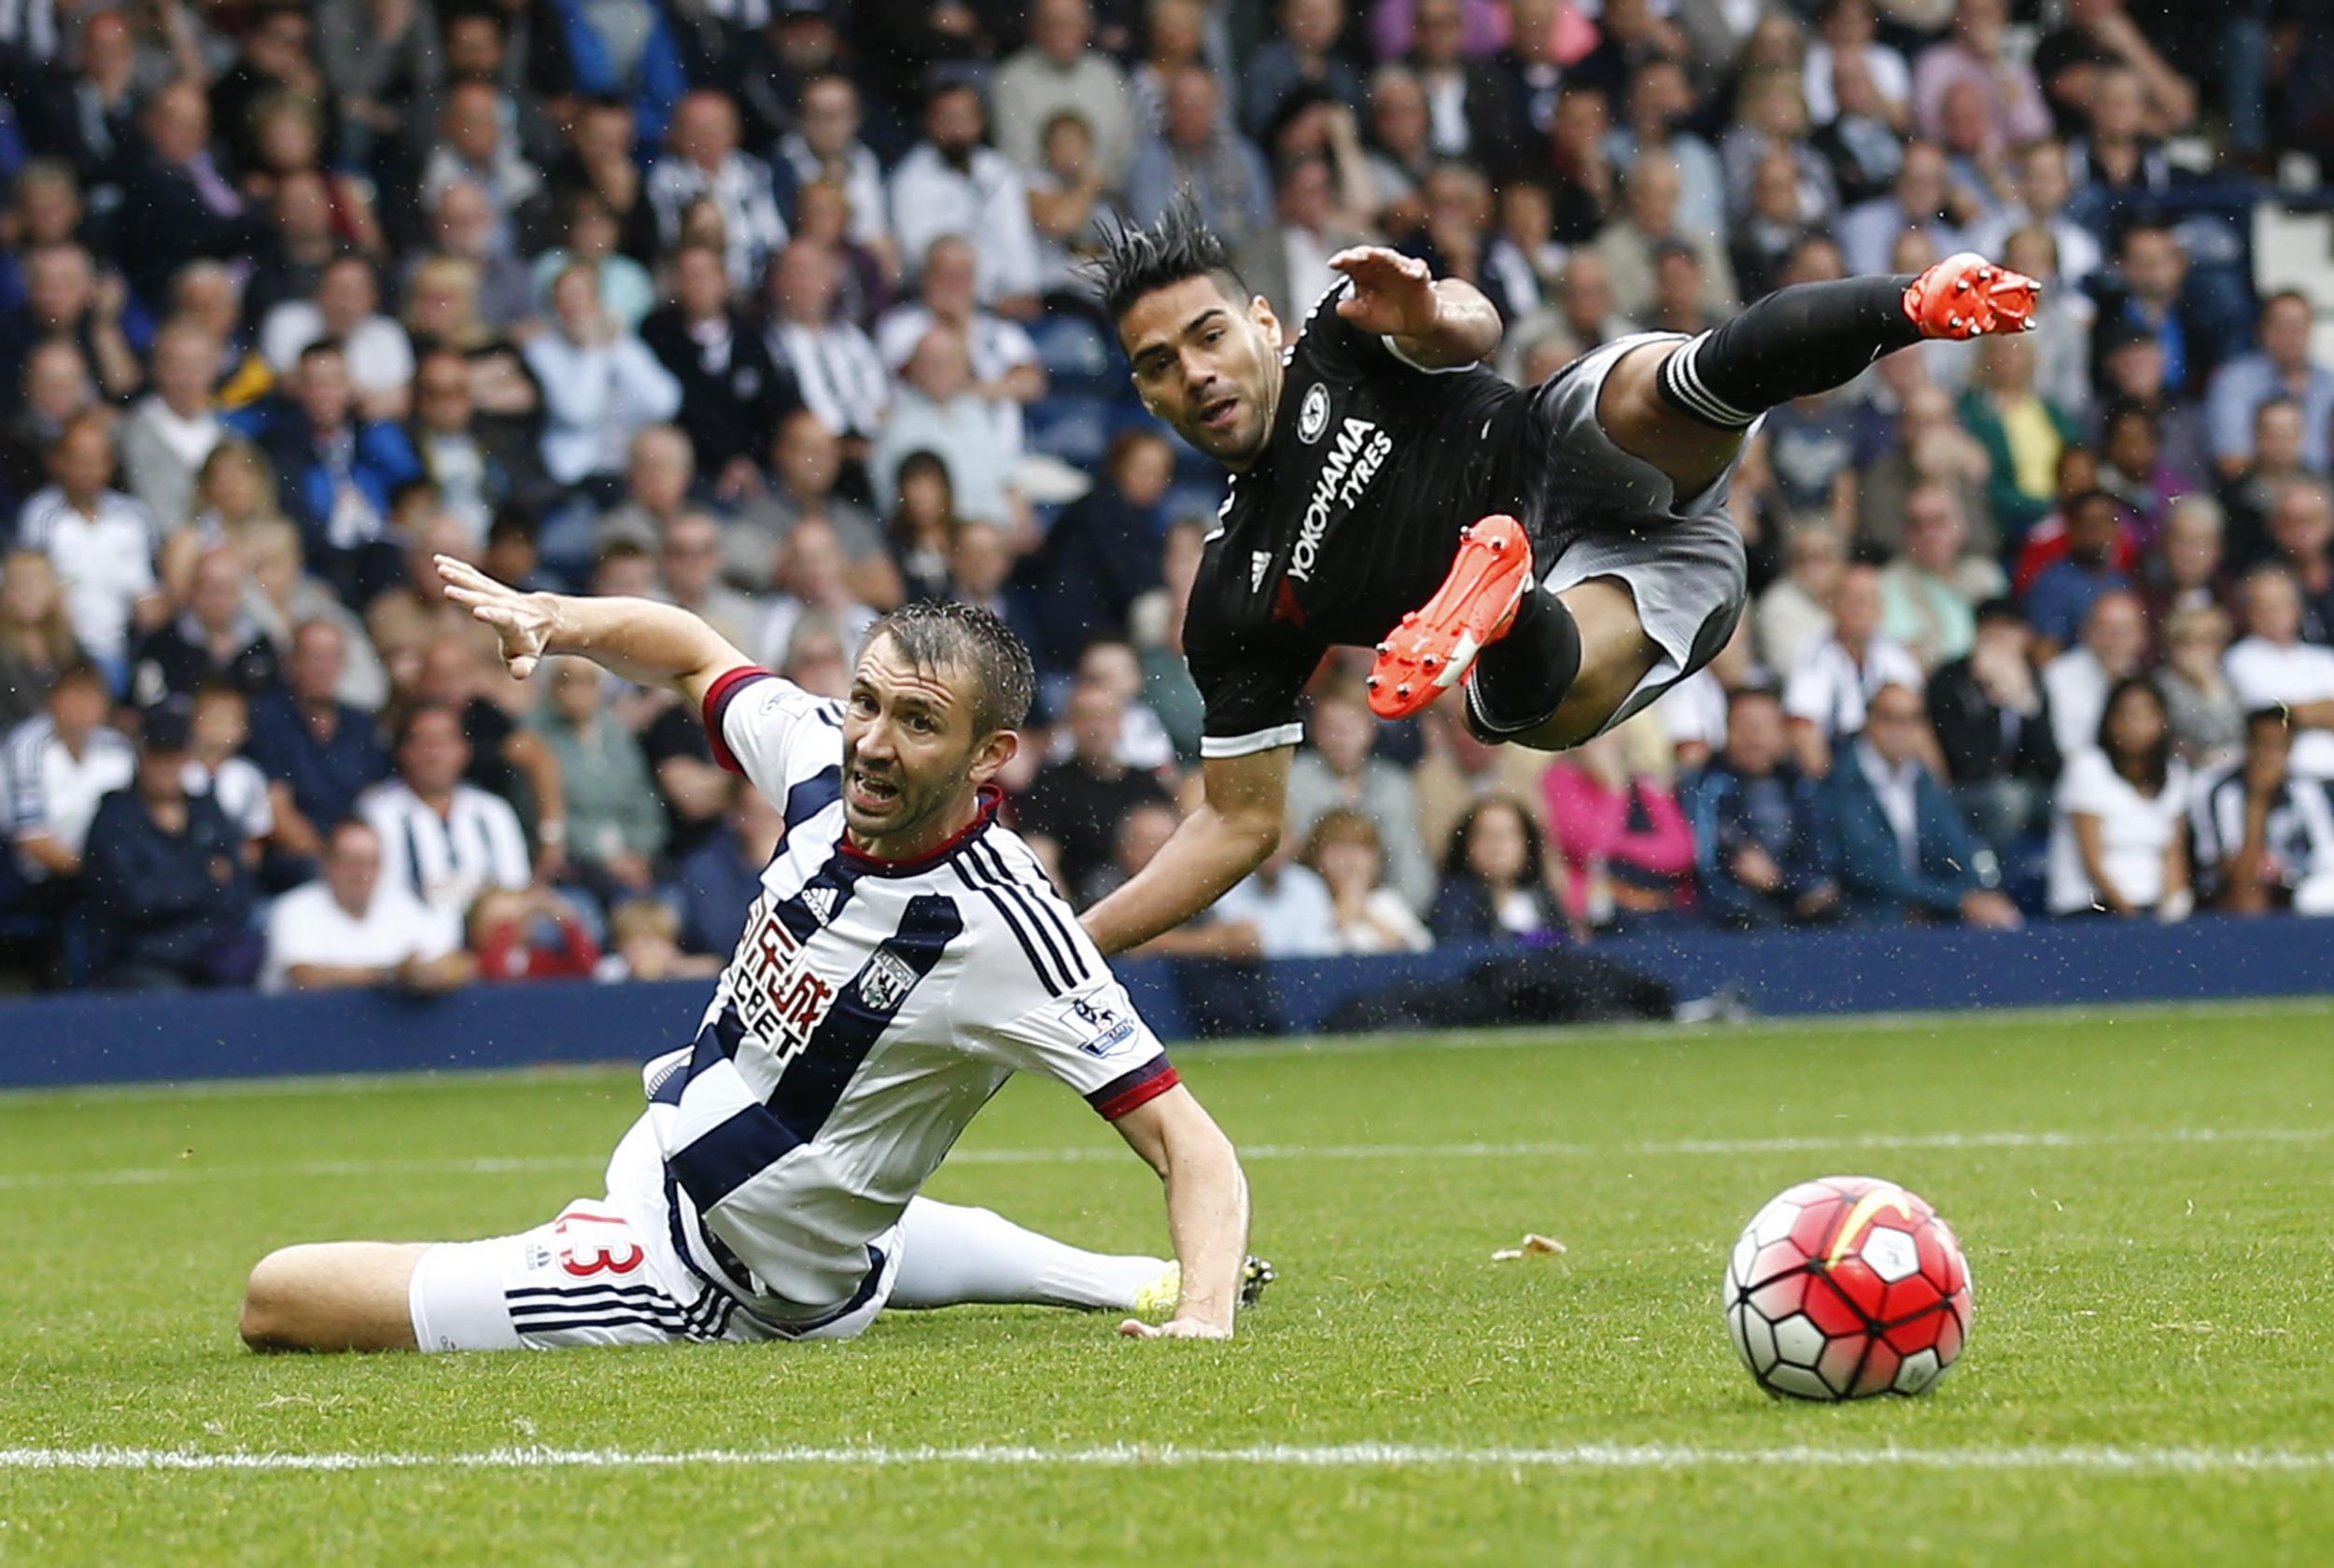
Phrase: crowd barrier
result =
(95, 1038)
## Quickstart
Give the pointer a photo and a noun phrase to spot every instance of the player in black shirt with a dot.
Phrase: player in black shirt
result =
(1577, 528)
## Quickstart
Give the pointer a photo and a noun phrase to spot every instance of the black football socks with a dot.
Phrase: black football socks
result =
(1519, 681)
(1797, 341)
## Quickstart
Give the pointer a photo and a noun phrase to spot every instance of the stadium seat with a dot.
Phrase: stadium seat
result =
(1073, 428)
(1076, 356)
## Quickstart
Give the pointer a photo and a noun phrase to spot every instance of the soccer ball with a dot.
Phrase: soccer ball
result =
(1848, 1287)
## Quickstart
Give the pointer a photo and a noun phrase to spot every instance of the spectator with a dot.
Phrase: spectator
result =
(2252, 496)
(1496, 883)
(1906, 853)
(2301, 527)
(1650, 220)
(1993, 726)
(2207, 726)
(1302, 54)
(478, 462)
(813, 579)
(718, 883)
(1143, 832)
(2022, 434)
(219, 728)
(1848, 32)
(1058, 71)
(346, 312)
(318, 752)
(2061, 597)
(2116, 155)
(2280, 368)
(2151, 297)
(1142, 741)
(1346, 852)
(923, 530)
(215, 638)
(60, 765)
(2044, 186)
(2272, 667)
(281, 597)
(1472, 113)
(2120, 842)
(826, 147)
(601, 386)
(528, 933)
(1585, 188)
(689, 561)
(2263, 839)
(626, 292)
(56, 390)
(1762, 844)
(1340, 771)
(444, 840)
(616, 825)
(1626, 842)
(1288, 262)
(349, 930)
(835, 365)
(950, 184)
(1795, 614)
(1101, 553)
(1076, 805)
(1005, 359)
(1399, 151)
(1286, 906)
(602, 161)
(506, 758)
(1976, 54)
(2136, 472)
(1924, 201)
(35, 635)
(2183, 570)
(703, 163)
(1198, 150)
(2098, 40)
(807, 463)
(731, 391)
(176, 205)
(167, 890)
(338, 471)
(471, 148)
(100, 543)
(644, 944)
(1929, 593)
(2076, 683)
(660, 471)
(943, 410)
(1835, 679)
(167, 435)
(499, 287)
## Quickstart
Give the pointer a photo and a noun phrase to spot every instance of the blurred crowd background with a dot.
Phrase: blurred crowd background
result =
(770, 308)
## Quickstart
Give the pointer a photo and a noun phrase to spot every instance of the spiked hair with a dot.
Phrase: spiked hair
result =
(1135, 260)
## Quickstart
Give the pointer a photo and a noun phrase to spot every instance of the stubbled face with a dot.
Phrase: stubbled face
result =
(318, 655)
(1893, 723)
(434, 754)
(1754, 736)
(1208, 365)
(910, 753)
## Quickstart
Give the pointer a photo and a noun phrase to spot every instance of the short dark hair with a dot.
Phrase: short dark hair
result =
(931, 633)
(1136, 260)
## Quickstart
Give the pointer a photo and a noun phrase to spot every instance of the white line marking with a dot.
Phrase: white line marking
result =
(1348, 1456)
(1101, 1154)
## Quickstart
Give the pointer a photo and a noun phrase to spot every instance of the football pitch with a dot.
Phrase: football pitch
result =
(2143, 1195)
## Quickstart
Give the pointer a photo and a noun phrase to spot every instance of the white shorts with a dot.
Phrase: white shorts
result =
(588, 1278)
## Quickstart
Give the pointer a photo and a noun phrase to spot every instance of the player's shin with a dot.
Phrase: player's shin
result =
(1794, 344)
(1519, 681)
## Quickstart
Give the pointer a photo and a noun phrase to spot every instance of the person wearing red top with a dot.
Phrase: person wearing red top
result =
(507, 937)
(1628, 852)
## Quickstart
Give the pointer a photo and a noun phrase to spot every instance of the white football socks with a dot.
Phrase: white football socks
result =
(952, 1256)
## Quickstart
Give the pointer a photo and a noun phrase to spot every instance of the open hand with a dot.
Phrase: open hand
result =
(1174, 1328)
(521, 621)
(1393, 294)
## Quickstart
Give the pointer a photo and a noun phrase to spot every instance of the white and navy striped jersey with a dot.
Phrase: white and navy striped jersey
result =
(2300, 829)
(51, 791)
(445, 862)
(871, 1009)
(104, 563)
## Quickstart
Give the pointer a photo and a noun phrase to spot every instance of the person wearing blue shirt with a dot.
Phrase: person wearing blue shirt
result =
(1764, 851)
(1905, 852)
(318, 752)
(2063, 595)
(2281, 368)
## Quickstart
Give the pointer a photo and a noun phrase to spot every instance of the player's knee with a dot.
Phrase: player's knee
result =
(272, 1297)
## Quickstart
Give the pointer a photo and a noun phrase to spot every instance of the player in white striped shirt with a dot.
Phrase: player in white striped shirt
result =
(906, 956)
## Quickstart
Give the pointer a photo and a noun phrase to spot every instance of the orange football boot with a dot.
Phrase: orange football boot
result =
(1966, 296)
(1434, 647)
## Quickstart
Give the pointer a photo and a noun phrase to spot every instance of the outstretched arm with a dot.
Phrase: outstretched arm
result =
(1231, 833)
(643, 641)
(1434, 324)
(1207, 1211)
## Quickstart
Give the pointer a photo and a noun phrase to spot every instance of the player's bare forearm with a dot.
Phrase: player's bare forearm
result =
(1464, 330)
(1231, 834)
(1207, 1203)
(650, 643)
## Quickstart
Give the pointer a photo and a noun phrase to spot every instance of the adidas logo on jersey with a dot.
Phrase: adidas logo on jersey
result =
(1260, 561)
(821, 902)
(1360, 452)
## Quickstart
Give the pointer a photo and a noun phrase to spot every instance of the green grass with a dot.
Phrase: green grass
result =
(2137, 1289)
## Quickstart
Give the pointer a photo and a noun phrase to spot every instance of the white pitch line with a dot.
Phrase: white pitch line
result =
(1348, 1456)
(134, 1176)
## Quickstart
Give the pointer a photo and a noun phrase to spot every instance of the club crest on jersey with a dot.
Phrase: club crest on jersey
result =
(1360, 452)
(886, 981)
(1312, 415)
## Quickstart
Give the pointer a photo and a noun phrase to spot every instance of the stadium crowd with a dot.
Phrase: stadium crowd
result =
(770, 308)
